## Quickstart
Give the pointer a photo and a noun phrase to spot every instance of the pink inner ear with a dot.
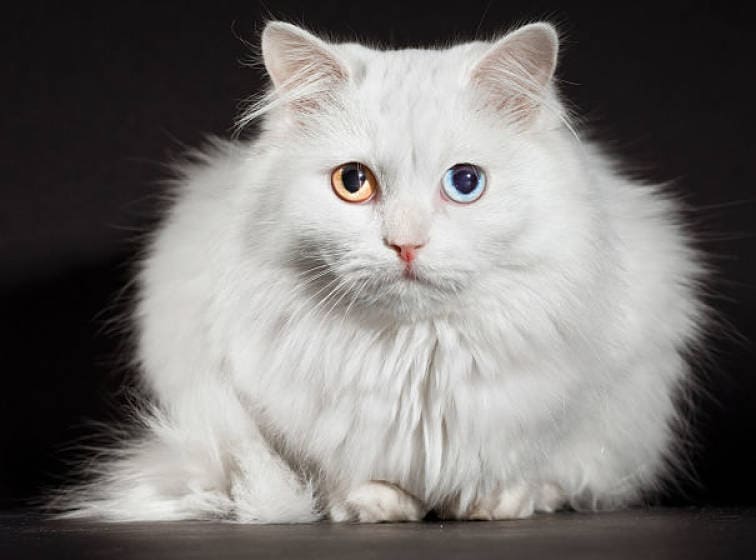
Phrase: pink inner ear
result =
(516, 72)
(301, 65)
(308, 66)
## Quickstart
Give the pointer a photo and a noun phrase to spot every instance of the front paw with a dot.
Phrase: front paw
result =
(517, 502)
(377, 501)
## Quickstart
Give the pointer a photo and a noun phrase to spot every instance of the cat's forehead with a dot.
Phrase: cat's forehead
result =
(412, 99)
(411, 72)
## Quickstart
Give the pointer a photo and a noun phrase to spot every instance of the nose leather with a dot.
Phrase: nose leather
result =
(406, 252)
(405, 227)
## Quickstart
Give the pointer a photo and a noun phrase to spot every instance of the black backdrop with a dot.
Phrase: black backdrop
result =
(96, 98)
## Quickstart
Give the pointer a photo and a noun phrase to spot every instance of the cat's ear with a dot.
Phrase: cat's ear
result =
(300, 65)
(516, 71)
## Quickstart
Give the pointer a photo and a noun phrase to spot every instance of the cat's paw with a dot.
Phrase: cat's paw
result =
(517, 502)
(377, 501)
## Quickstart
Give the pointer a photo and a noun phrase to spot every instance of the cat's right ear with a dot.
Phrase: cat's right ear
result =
(303, 68)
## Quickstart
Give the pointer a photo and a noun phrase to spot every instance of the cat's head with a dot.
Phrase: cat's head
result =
(409, 181)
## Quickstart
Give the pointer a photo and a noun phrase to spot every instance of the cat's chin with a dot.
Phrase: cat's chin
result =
(409, 297)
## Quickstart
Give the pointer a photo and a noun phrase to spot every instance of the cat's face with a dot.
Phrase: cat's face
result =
(412, 182)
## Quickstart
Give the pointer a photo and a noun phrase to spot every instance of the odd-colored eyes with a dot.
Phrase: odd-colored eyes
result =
(353, 182)
(464, 183)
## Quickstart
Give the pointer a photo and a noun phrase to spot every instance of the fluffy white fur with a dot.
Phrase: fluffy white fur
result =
(533, 362)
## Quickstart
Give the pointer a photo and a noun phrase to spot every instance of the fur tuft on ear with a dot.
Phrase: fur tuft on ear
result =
(299, 64)
(516, 71)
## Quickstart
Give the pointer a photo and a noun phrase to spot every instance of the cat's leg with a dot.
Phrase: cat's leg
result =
(517, 501)
(514, 501)
(377, 501)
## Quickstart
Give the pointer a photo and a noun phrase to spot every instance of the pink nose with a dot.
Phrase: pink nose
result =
(406, 252)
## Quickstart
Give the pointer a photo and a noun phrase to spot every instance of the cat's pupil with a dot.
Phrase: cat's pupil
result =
(465, 179)
(353, 177)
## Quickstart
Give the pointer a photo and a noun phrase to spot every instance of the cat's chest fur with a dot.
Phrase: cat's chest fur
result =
(416, 404)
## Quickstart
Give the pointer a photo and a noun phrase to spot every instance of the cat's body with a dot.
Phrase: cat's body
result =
(527, 358)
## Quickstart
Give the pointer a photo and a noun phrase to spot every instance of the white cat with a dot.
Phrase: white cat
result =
(415, 290)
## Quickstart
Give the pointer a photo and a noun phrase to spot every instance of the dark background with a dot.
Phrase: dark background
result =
(96, 98)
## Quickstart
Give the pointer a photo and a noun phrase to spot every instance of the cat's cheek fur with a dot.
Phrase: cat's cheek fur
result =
(292, 372)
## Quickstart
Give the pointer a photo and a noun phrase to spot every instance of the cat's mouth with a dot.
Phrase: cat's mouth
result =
(413, 275)
(418, 283)
(402, 288)
(409, 273)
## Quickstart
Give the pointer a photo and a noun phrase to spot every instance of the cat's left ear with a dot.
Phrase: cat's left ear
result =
(516, 71)
(300, 64)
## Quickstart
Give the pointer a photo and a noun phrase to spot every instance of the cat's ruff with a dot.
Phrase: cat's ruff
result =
(529, 360)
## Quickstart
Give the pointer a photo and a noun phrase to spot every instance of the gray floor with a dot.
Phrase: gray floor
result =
(651, 533)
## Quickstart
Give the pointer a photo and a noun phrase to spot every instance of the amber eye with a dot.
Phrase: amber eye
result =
(353, 182)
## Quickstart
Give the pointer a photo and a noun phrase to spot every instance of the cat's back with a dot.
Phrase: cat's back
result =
(186, 263)
(662, 270)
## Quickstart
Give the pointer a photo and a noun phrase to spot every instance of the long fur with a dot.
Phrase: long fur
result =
(539, 348)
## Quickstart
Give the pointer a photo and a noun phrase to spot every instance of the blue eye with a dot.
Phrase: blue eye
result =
(464, 183)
